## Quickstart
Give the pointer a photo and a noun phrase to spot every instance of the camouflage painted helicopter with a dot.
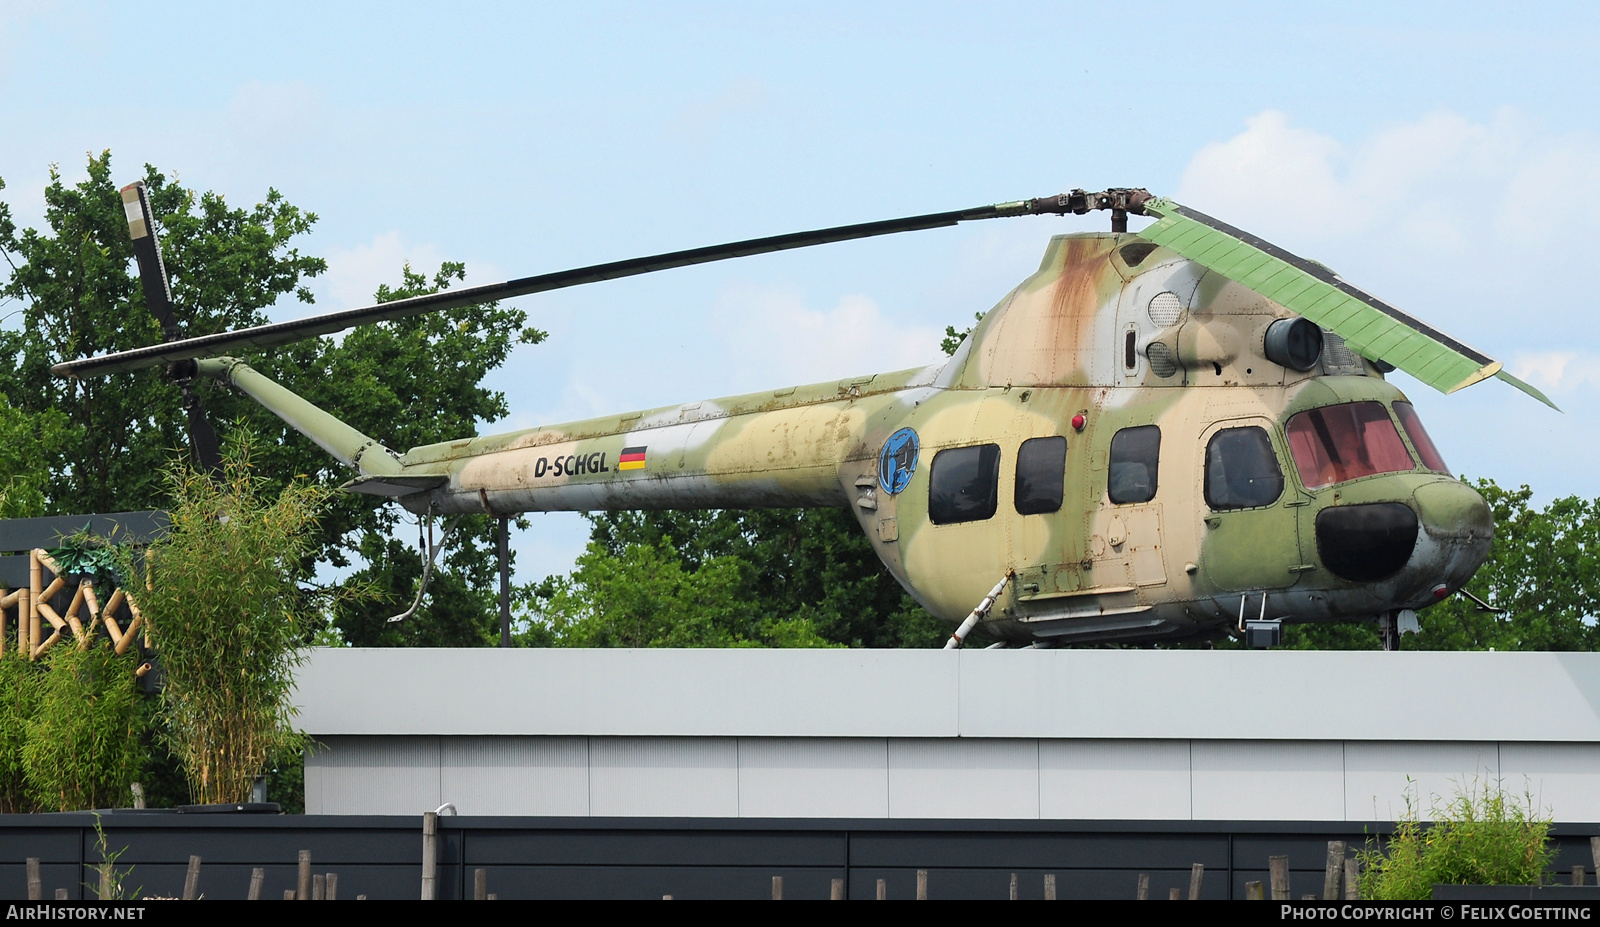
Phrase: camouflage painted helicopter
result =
(1158, 435)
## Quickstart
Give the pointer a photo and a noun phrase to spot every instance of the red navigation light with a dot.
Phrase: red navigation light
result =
(1078, 421)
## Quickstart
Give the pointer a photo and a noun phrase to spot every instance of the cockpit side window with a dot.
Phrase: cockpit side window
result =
(1344, 442)
(1419, 437)
(1135, 454)
(1242, 470)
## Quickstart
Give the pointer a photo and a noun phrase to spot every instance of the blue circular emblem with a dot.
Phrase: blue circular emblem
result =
(897, 461)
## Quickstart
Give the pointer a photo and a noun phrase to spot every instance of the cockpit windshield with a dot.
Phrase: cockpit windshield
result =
(1344, 442)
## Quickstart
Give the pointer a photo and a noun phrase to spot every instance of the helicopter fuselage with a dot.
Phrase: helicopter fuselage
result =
(1113, 433)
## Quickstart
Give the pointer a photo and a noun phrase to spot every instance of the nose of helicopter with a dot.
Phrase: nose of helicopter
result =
(1457, 531)
(1430, 544)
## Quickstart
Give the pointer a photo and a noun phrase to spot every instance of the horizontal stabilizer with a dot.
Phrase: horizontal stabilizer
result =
(394, 486)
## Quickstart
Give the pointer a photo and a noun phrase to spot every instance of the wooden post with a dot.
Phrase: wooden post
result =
(1594, 847)
(191, 880)
(105, 881)
(1143, 892)
(1196, 874)
(1253, 892)
(61, 895)
(430, 854)
(302, 883)
(35, 586)
(319, 888)
(836, 890)
(332, 891)
(288, 894)
(922, 885)
(1174, 894)
(480, 885)
(257, 876)
(1278, 870)
(138, 794)
(1352, 879)
(1333, 873)
(1013, 895)
(1049, 886)
(1577, 874)
(777, 888)
(35, 884)
(883, 890)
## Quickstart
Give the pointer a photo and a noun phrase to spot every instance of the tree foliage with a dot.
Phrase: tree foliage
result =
(791, 567)
(409, 382)
(644, 595)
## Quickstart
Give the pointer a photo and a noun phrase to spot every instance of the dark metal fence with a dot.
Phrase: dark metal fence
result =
(595, 858)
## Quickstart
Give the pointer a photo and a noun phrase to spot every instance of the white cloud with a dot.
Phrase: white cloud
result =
(1558, 371)
(1437, 184)
(354, 274)
(772, 338)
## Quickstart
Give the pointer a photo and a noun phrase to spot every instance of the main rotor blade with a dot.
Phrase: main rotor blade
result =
(278, 333)
(1368, 325)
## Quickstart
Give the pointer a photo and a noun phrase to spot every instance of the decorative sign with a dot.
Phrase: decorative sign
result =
(897, 461)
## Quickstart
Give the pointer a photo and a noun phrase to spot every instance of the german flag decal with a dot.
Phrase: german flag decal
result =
(632, 459)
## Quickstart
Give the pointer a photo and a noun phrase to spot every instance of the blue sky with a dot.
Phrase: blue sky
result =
(1444, 156)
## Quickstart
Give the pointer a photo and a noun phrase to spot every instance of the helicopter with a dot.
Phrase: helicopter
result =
(1175, 433)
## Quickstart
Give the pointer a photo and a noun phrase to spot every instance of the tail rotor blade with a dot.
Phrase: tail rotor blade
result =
(158, 298)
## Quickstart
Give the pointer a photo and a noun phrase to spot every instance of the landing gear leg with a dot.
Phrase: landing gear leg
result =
(1389, 630)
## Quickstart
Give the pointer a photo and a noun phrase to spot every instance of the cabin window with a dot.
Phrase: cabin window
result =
(1344, 442)
(964, 484)
(1135, 453)
(1041, 475)
(1419, 437)
(1242, 470)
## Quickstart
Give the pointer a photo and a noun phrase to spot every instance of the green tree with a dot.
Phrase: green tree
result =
(811, 565)
(414, 381)
(645, 595)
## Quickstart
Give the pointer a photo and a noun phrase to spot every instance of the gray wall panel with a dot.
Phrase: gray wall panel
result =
(963, 778)
(618, 692)
(1268, 781)
(1114, 779)
(813, 778)
(515, 775)
(1378, 775)
(664, 776)
(1094, 694)
(1563, 780)
(375, 775)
